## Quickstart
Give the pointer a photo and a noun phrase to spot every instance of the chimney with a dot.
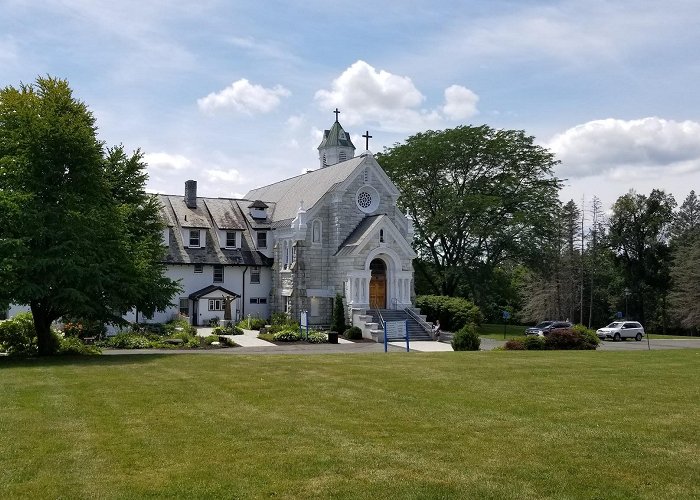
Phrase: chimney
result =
(191, 194)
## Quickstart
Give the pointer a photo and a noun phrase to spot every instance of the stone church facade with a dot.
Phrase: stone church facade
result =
(337, 229)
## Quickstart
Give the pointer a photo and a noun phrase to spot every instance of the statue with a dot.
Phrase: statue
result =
(227, 307)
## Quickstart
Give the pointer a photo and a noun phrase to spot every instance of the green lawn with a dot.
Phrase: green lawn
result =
(398, 425)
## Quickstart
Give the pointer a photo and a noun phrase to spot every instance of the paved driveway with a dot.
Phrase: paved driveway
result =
(655, 344)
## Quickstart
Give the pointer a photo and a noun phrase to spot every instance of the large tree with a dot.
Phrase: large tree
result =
(478, 197)
(639, 231)
(78, 235)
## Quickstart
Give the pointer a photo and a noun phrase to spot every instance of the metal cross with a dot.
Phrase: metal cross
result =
(336, 114)
(367, 138)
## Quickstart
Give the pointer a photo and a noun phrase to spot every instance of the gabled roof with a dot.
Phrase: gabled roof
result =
(309, 188)
(366, 228)
(211, 288)
(258, 204)
(336, 136)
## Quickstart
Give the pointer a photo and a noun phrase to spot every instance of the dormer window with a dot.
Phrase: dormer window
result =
(194, 238)
(262, 239)
(230, 239)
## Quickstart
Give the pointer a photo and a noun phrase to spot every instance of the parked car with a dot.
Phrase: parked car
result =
(542, 329)
(618, 330)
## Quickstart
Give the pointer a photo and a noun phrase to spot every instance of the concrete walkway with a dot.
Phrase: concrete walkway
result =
(248, 339)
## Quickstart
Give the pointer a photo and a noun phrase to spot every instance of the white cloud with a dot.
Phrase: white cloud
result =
(460, 102)
(218, 175)
(166, 161)
(244, 97)
(366, 95)
(630, 149)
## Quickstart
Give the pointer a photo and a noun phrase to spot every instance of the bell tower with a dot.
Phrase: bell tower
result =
(336, 145)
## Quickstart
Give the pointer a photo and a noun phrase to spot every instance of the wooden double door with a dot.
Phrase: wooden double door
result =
(377, 285)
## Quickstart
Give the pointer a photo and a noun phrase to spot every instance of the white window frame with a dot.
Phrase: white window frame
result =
(255, 271)
(199, 238)
(217, 267)
(216, 304)
(235, 239)
(264, 234)
(186, 301)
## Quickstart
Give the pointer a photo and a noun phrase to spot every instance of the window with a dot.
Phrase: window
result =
(381, 236)
(255, 275)
(199, 268)
(258, 300)
(218, 273)
(184, 306)
(230, 239)
(343, 156)
(262, 239)
(285, 246)
(365, 176)
(367, 199)
(194, 238)
(316, 232)
(216, 305)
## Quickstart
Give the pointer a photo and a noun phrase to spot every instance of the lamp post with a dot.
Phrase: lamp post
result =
(627, 294)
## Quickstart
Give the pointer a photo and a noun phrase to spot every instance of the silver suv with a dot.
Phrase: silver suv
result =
(619, 330)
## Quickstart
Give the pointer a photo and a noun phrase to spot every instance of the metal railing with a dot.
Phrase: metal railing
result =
(381, 318)
(426, 326)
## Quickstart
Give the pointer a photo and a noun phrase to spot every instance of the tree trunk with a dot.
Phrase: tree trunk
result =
(42, 326)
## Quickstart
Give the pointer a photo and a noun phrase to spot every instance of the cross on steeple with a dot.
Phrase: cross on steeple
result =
(367, 138)
(336, 114)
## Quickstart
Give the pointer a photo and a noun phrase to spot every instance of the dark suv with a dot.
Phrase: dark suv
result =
(542, 329)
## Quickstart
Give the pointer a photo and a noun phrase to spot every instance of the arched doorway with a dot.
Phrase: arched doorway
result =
(377, 284)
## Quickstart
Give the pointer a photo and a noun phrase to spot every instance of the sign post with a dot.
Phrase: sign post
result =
(397, 330)
(506, 315)
(304, 324)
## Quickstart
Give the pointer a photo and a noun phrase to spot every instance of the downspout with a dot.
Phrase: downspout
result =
(243, 293)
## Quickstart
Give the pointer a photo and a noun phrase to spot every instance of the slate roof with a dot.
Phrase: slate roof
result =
(355, 236)
(336, 136)
(309, 188)
(211, 214)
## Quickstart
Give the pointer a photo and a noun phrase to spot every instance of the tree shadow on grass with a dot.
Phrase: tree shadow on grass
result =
(95, 360)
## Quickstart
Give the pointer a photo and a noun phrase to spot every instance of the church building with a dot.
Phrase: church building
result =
(291, 246)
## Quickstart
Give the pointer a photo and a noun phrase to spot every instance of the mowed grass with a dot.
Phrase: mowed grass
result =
(398, 425)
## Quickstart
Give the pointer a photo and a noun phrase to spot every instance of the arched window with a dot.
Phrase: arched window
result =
(286, 254)
(316, 232)
(381, 236)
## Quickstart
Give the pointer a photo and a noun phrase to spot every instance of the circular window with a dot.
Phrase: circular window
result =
(367, 199)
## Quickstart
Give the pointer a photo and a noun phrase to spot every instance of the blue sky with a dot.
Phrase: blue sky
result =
(236, 94)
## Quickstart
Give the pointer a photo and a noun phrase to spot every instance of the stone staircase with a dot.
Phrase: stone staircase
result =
(416, 332)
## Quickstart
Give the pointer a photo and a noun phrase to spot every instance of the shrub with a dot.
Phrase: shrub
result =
(74, 346)
(568, 339)
(128, 340)
(453, 312)
(517, 344)
(317, 338)
(287, 336)
(281, 322)
(466, 339)
(17, 335)
(251, 323)
(588, 335)
(176, 325)
(533, 343)
(353, 333)
(338, 316)
(213, 321)
(211, 338)
(227, 330)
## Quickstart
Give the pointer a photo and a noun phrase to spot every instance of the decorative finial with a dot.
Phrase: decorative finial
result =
(336, 114)
(367, 138)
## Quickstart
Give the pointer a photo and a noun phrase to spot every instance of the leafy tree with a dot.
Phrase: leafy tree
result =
(478, 197)
(639, 229)
(685, 293)
(77, 233)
